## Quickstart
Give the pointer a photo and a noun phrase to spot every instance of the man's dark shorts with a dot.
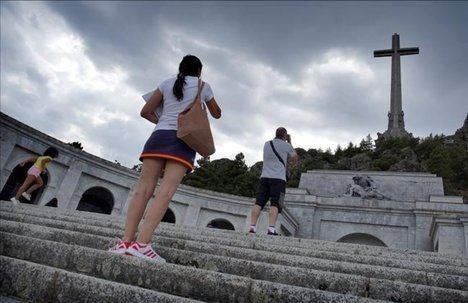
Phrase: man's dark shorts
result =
(273, 190)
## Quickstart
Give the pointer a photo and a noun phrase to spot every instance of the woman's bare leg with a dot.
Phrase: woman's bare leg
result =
(150, 172)
(173, 174)
(38, 184)
(29, 180)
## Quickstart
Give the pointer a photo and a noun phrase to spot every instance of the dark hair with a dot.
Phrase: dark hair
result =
(51, 152)
(281, 132)
(189, 66)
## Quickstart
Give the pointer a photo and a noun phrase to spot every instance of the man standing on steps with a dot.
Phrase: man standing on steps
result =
(272, 185)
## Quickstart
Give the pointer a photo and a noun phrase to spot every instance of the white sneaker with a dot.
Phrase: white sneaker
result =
(144, 251)
(26, 196)
(15, 201)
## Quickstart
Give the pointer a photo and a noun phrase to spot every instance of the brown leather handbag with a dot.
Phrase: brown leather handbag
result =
(194, 126)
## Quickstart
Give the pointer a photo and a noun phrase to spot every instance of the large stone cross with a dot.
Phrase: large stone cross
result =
(396, 123)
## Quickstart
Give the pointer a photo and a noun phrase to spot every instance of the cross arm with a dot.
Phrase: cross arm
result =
(408, 51)
(383, 53)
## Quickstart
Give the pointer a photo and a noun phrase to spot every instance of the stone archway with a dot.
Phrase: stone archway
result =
(169, 217)
(16, 179)
(52, 203)
(97, 200)
(220, 224)
(361, 238)
(284, 231)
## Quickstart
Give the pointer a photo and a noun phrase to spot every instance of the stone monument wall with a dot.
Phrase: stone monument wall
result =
(394, 185)
(75, 173)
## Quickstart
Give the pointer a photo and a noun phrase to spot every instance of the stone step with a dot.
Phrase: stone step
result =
(38, 283)
(260, 271)
(259, 246)
(408, 254)
(10, 300)
(356, 251)
(81, 259)
(173, 279)
(316, 245)
(306, 276)
(351, 284)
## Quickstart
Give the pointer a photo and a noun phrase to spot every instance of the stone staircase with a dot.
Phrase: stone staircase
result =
(52, 255)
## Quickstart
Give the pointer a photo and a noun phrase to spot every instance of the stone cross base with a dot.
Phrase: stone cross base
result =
(395, 133)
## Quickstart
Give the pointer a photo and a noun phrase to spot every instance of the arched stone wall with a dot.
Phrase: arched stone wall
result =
(361, 238)
(221, 223)
(284, 231)
(97, 199)
(334, 224)
(75, 171)
(206, 215)
(86, 182)
(178, 210)
(169, 216)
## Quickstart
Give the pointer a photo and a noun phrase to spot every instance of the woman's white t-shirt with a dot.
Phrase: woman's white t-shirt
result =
(173, 107)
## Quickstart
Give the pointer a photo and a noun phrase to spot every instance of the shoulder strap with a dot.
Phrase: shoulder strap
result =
(197, 96)
(201, 84)
(276, 153)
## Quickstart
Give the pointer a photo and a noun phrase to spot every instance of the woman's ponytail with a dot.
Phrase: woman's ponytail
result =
(189, 66)
(178, 86)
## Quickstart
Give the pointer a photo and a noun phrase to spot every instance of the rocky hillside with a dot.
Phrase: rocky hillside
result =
(446, 156)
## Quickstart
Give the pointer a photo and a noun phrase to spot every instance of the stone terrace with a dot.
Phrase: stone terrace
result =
(52, 255)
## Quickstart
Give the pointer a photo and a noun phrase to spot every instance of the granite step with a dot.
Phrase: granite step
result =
(248, 244)
(183, 281)
(39, 283)
(348, 284)
(316, 245)
(4, 299)
(71, 240)
(319, 273)
(355, 250)
(198, 283)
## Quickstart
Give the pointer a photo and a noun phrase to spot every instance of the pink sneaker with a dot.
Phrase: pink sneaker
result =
(144, 251)
(120, 247)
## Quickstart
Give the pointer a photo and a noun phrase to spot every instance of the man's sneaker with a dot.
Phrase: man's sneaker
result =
(272, 233)
(120, 247)
(15, 201)
(26, 196)
(252, 231)
(144, 251)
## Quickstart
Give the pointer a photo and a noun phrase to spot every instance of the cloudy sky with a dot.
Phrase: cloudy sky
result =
(77, 70)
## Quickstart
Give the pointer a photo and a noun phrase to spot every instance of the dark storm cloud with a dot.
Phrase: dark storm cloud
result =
(305, 65)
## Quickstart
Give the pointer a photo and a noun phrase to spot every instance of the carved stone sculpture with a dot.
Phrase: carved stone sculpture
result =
(363, 187)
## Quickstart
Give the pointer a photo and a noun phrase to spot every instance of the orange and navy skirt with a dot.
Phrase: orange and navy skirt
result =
(164, 144)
